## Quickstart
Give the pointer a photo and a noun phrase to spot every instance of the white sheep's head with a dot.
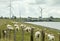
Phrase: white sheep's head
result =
(16, 25)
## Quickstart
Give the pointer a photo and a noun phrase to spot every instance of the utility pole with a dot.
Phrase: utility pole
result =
(41, 11)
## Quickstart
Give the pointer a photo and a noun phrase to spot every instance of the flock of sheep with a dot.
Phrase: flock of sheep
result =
(26, 28)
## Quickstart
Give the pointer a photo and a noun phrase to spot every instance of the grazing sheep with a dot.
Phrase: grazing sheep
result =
(22, 26)
(28, 29)
(51, 37)
(9, 27)
(4, 33)
(37, 34)
(25, 26)
(16, 27)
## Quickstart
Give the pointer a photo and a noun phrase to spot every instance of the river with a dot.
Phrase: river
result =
(55, 25)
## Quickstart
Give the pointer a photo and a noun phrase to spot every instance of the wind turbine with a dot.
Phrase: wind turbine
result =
(10, 5)
(10, 8)
(41, 11)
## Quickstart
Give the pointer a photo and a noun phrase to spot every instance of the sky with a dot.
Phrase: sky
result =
(30, 8)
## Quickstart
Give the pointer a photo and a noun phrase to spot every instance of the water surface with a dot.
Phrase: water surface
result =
(55, 25)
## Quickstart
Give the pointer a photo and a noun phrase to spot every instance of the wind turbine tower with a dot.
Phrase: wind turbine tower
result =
(41, 11)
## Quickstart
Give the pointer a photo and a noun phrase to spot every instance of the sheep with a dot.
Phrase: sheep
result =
(23, 26)
(37, 34)
(16, 27)
(9, 27)
(51, 37)
(28, 29)
(4, 33)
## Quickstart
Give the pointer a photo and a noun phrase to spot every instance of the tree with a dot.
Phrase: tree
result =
(51, 17)
(6, 18)
(1, 17)
(13, 17)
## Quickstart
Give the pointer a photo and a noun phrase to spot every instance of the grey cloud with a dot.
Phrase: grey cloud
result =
(53, 2)
(38, 2)
(32, 11)
(47, 2)
(57, 2)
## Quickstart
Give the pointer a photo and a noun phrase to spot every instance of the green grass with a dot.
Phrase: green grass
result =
(4, 22)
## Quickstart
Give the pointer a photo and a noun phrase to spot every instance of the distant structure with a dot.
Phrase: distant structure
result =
(10, 9)
(41, 11)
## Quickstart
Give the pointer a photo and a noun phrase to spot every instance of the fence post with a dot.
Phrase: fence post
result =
(14, 35)
(8, 34)
(43, 35)
(22, 34)
(59, 36)
(0, 34)
(31, 34)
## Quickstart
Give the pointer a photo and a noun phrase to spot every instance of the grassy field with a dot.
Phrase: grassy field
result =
(4, 22)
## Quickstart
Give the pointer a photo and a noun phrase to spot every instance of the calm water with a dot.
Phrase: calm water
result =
(55, 25)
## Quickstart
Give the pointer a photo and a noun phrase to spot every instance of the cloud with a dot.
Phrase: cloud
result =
(35, 1)
(31, 8)
(52, 2)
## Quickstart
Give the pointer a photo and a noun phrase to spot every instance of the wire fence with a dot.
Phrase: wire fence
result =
(21, 35)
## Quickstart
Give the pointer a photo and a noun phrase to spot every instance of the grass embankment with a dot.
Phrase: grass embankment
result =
(4, 22)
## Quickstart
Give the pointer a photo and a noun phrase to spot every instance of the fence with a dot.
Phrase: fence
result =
(21, 35)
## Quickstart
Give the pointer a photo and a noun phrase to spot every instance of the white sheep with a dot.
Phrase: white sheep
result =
(9, 27)
(37, 34)
(4, 33)
(22, 26)
(25, 26)
(51, 37)
(28, 29)
(16, 27)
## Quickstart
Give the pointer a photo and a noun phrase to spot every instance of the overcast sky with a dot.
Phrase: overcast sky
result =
(30, 8)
